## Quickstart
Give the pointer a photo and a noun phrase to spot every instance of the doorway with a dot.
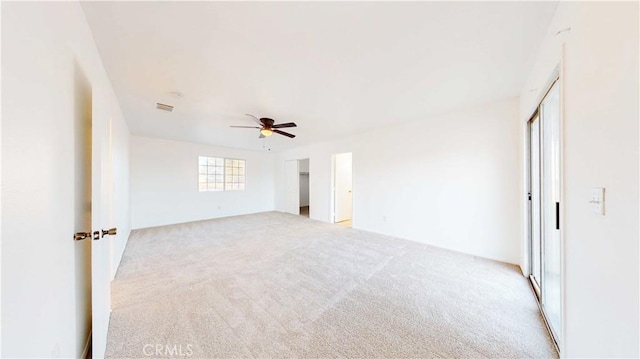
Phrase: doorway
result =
(303, 170)
(342, 189)
(545, 246)
(296, 192)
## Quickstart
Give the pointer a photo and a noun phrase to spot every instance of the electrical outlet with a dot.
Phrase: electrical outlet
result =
(384, 218)
(597, 200)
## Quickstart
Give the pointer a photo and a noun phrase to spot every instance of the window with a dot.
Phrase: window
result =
(210, 174)
(234, 174)
(220, 174)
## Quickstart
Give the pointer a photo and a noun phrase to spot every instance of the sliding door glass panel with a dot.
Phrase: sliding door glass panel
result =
(536, 221)
(551, 247)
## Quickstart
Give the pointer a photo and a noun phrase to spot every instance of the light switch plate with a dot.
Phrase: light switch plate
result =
(597, 200)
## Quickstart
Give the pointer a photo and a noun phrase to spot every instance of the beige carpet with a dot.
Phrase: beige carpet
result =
(348, 223)
(279, 285)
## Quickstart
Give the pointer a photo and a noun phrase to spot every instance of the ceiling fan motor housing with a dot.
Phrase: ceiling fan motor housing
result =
(267, 122)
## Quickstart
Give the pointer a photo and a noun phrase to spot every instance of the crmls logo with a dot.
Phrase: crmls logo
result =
(168, 350)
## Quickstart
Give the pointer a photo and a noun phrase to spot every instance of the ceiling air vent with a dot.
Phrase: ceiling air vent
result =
(164, 107)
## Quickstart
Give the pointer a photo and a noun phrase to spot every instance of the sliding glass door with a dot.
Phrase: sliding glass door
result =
(544, 194)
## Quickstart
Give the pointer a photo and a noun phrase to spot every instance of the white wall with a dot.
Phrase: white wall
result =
(41, 44)
(164, 183)
(599, 79)
(121, 195)
(0, 191)
(445, 180)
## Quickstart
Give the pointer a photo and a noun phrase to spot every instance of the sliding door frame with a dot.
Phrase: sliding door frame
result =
(531, 196)
(555, 79)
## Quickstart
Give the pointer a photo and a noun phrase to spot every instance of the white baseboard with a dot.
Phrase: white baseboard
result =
(87, 346)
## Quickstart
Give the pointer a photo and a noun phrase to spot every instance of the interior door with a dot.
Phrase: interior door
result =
(292, 187)
(101, 222)
(82, 209)
(93, 212)
(343, 200)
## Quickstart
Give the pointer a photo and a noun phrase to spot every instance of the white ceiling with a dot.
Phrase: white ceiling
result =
(333, 68)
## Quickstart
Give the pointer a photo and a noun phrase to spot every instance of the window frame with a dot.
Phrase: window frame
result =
(242, 183)
(237, 181)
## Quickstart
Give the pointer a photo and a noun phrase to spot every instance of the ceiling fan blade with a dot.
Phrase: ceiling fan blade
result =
(283, 125)
(284, 133)
(261, 135)
(255, 118)
(246, 127)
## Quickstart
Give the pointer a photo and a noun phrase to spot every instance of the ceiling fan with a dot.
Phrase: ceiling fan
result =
(268, 127)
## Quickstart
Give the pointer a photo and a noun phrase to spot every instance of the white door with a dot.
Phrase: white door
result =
(101, 222)
(82, 210)
(292, 187)
(342, 187)
(92, 185)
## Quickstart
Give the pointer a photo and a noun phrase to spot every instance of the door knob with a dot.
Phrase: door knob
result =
(109, 232)
(81, 235)
(84, 235)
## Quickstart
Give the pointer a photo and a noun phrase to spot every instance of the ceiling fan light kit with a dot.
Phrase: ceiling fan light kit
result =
(268, 127)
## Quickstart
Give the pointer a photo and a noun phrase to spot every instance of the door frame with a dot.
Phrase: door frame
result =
(530, 274)
(555, 78)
